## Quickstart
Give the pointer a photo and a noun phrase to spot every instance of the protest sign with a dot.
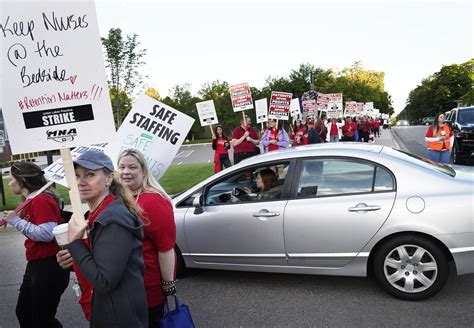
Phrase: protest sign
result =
(295, 109)
(360, 108)
(309, 108)
(57, 94)
(241, 97)
(207, 112)
(2, 138)
(322, 102)
(334, 109)
(369, 106)
(280, 105)
(351, 108)
(261, 110)
(55, 172)
(155, 129)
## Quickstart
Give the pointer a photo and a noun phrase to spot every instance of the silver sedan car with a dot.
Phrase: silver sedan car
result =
(346, 209)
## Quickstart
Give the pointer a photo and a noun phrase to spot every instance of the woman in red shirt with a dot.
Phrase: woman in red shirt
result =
(440, 140)
(160, 231)
(298, 133)
(44, 281)
(221, 144)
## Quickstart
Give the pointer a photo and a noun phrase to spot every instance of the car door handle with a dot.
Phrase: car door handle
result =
(265, 214)
(364, 208)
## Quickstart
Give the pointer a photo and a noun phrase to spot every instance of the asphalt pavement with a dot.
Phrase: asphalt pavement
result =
(246, 299)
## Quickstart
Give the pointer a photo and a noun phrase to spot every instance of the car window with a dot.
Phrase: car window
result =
(253, 184)
(466, 116)
(383, 180)
(328, 177)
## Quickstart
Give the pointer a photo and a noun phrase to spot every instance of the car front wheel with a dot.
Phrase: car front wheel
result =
(411, 267)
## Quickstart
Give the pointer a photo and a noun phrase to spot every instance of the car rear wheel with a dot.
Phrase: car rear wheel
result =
(411, 267)
(455, 155)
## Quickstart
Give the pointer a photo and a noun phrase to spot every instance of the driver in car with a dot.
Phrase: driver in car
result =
(266, 183)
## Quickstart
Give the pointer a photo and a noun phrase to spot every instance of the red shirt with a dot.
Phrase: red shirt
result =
(41, 209)
(334, 130)
(220, 148)
(245, 146)
(377, 124)
(349, 129)
(87, 289)
(298, 137)
(160, 236)
(273, 136)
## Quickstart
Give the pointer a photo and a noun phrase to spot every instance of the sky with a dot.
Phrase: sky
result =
(249, 40)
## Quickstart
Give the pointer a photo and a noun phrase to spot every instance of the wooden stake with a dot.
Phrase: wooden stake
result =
(212, 132)
(72, 184)
(245, 119)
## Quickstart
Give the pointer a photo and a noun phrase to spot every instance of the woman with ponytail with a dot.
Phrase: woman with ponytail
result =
(44, 281)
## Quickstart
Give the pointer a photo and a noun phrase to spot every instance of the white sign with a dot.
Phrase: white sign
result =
(334, 108)
(261, 110)
(241, 97)
(57, 94)
(156, 129)
(295, 109)
(369, 106)
(207, 112)
(351, 108)
(55, 172)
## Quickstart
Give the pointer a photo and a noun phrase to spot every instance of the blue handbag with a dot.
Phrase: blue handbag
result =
(180, 317)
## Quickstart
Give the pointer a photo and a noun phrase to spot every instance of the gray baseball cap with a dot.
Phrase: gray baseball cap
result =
(94, 160)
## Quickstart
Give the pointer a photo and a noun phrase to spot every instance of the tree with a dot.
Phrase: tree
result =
(152, 92)
(123, 60)
(440, 92)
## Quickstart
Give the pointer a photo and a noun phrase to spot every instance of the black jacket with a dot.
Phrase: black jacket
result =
(114, 267)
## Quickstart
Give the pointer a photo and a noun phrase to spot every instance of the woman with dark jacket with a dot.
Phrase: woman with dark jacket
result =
(221, 144)
(109, 263)
(44, 281)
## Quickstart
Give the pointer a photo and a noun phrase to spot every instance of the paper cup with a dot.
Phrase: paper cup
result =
(60, 233)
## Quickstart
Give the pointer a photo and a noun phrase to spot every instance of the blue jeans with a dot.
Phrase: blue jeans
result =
(334, 138)
(439, 156)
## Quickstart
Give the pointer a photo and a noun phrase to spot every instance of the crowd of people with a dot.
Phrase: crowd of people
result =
(125, 266)
(245, 140)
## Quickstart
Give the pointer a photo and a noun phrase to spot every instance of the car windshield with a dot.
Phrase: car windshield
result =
(466, 116)
(420, 161)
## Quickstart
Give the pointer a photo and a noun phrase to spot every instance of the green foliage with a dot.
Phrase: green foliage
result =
(354, 82)
(123, 60)
(440, 91)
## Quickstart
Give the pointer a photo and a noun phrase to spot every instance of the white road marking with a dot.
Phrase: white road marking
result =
(184, 154)
(180, 163)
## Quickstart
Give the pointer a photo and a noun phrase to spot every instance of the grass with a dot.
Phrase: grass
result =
(197, 141)
(177, 178)
(182, 177)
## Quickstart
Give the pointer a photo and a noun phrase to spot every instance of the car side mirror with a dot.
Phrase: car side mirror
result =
(197, 203)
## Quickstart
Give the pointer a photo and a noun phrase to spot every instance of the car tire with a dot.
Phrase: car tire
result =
(455, 154)
(180, 265)
(411, 267)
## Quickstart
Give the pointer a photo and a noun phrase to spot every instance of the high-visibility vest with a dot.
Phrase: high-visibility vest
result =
(443, 144)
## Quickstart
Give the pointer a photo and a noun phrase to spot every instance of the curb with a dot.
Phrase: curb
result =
(397, 144)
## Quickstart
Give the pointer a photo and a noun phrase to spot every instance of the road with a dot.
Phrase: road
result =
(245, 299)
